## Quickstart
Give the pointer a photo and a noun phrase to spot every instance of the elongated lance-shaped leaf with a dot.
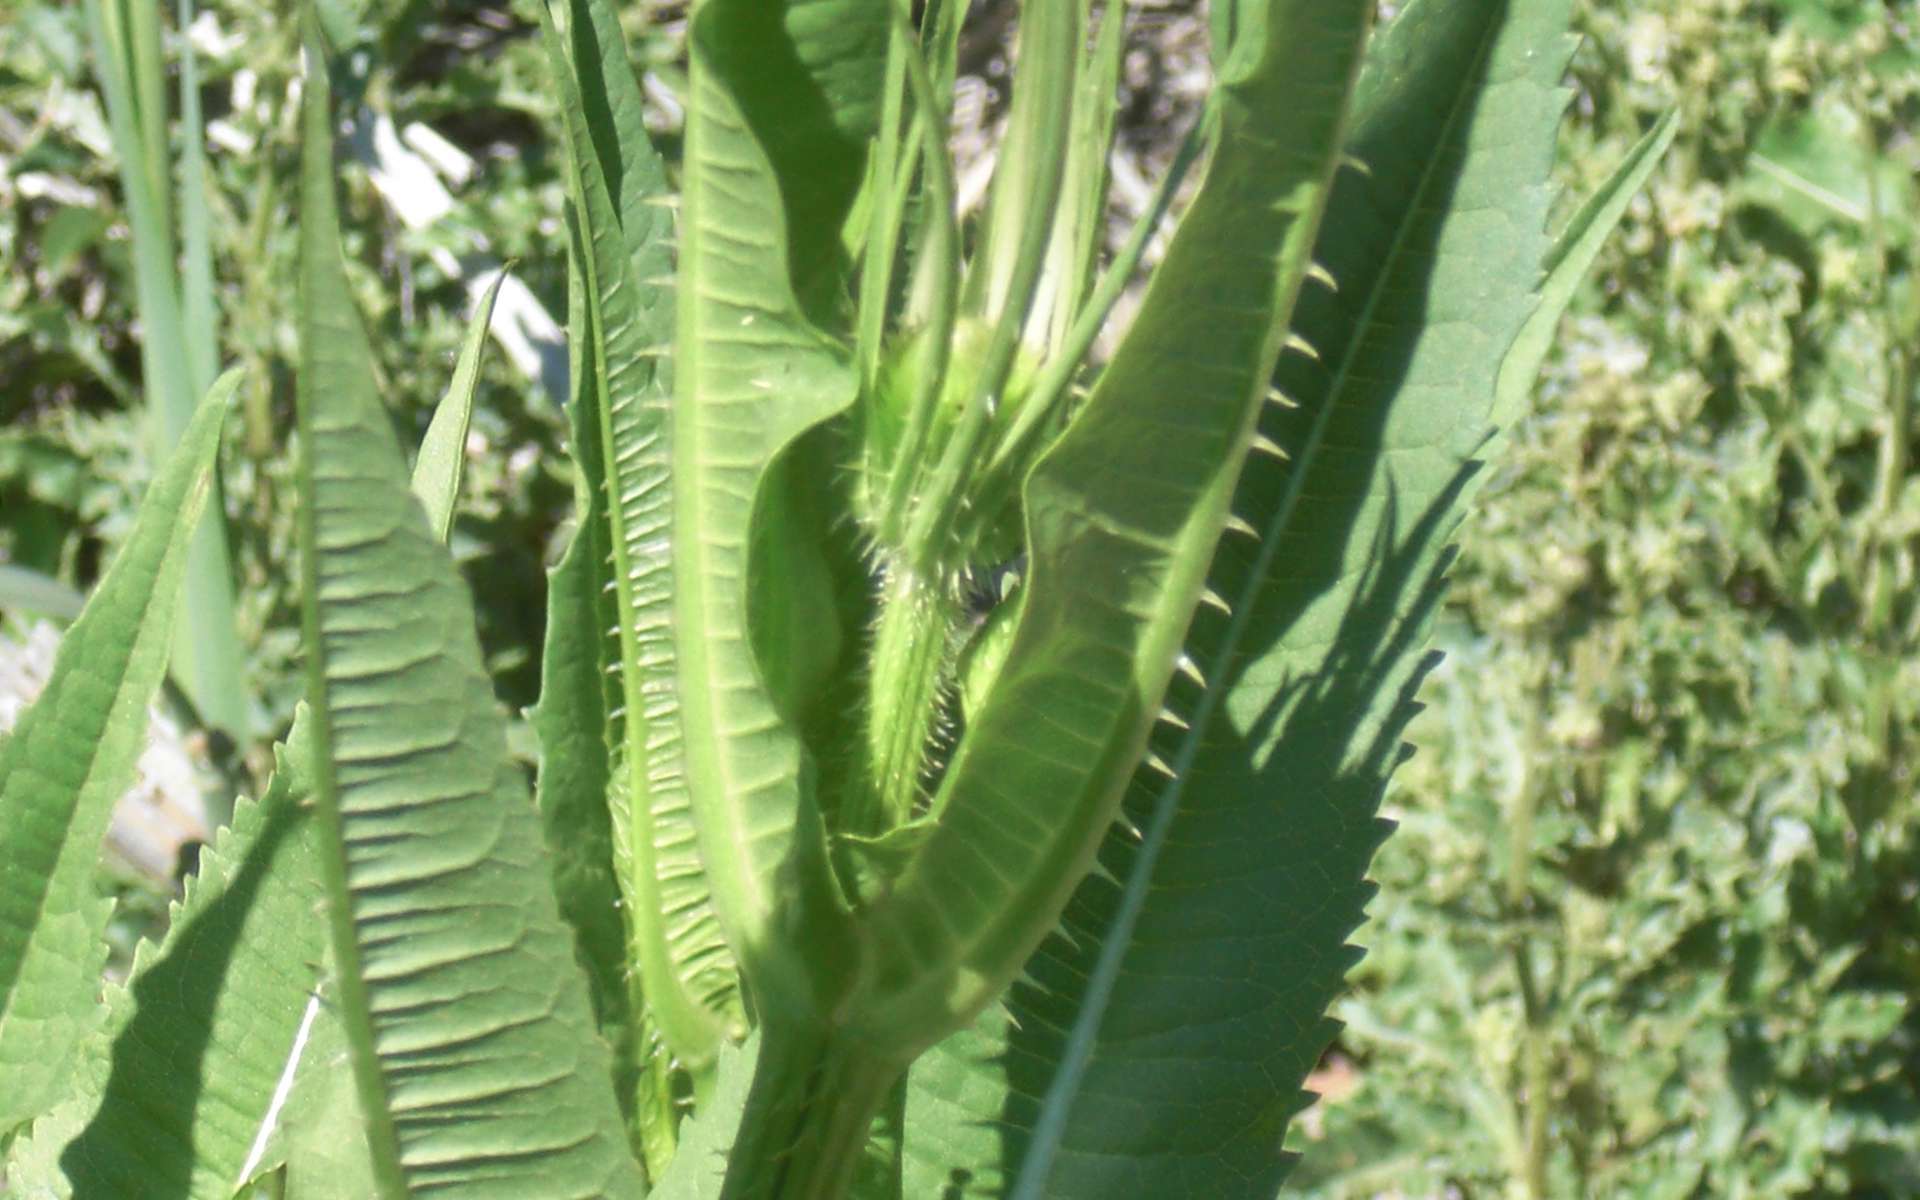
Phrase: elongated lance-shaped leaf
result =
(478, 1066)
(751, 376)
(571, 723)
(214, 1010)
(624, 256)
(1122, 516)
(69, 758)
(1158, 1044)
(443, 448)
(176, 355)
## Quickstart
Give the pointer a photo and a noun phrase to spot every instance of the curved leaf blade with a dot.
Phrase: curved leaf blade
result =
(751, 376)
(1185, 999)
(473, 1043)
(69, 759)
(1123, 514)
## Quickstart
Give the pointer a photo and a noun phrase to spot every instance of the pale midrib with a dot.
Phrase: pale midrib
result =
(749, 902)
(1077, 1053)
(687, 1024)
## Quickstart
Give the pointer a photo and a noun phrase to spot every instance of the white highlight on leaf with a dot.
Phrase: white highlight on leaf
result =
(281, 1091)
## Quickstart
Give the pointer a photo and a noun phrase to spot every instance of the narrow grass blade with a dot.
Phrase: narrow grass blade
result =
(443, 449)
(126, 43)
(68, 760)
(24, 590)
(473, 1043)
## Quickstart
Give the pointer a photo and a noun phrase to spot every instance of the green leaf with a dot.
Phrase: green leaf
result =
(751, 376)
(624, 259)
(1122, 516)
(1157, 1045)
(1569, 260)
(209, 1018)
(571, 724)
(706, 1140)
(473, 1043)
(443, 449)
(807, 76)
(1822, 169)
(69, 759)
(323, 1130)
(214, 1009)
(201, 323)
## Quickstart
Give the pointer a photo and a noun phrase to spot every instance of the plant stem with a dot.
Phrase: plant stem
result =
(1533, 1047)
(814, 1100)
(911, 652)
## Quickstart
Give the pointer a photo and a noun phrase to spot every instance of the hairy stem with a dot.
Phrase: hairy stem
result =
(814, 1100)
(911, 653)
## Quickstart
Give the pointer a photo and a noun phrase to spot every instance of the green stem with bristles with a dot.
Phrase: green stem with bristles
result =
(907, 682)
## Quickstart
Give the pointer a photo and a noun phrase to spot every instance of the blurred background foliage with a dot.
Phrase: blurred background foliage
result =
(1648, 926)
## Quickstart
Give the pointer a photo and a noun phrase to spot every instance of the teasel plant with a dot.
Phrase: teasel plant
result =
(960, 747)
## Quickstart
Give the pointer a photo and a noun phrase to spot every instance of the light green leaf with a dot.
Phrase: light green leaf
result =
(199, 320)
(1157, 1045)
(571, 724)
(751, 376)
(624, 258)
(806, 76)
(69, 759)
(212, 1011)
(325, 1140)
(208, 1019)
(443, 449)
(700, 1166)
(1122, 516)
(473, 1043)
